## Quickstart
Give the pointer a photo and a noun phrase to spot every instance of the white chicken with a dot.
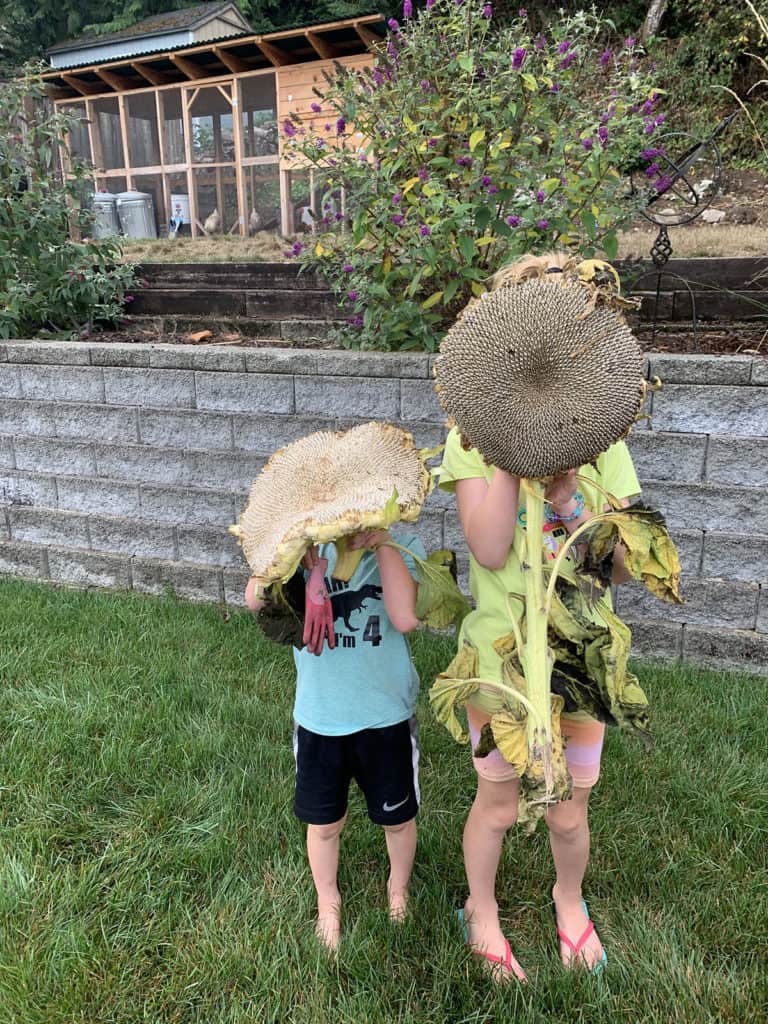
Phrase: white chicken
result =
(254, 221)
(212, 225)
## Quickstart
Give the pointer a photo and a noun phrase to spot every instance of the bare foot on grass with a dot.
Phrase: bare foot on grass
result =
(398, 903)
(328, 928)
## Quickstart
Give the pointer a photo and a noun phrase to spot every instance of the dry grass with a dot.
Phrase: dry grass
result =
(263, 247)
(699, 240)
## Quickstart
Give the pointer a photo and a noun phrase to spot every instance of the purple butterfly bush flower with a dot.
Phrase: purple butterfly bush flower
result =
(289, 129)
(356, 321)
(296, 249)
(605, 58)
(398, 219)
(424, 83)
(663, 183)
(569, 58)
(352, 296)
(407, 9)
(392, 50)
(650, 127)
(377, 76)
(492, 190)
(430, 4)
(341, 124)
(660, 120)
(565, 46)
(522, 13)
(431, 143)
(464, 161)
(555, 87)
(540, 196)
(487, 11)
(652, 170)
(542, 225)
(602, 134)
(649, 154)
(630, 42)
(397, 198)
(393, 25)
(540, 43)
(425, 231)
(315, 107)
(347, 268)
(485, 180)
(327, 127)
(587, 144)
(513, 221)
(518, 58)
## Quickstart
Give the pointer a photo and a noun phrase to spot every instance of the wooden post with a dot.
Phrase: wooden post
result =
(124, 136)
(237, 134)
(187, 99)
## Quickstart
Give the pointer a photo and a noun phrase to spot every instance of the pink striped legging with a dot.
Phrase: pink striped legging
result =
(584, 744)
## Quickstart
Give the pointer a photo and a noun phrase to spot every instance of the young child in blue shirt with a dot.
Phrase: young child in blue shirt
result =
(354, 717)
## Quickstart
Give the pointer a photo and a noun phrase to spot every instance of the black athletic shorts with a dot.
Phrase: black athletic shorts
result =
(383, 762)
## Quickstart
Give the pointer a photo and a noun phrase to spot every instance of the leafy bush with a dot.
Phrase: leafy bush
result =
(49, 280)
(466, 146)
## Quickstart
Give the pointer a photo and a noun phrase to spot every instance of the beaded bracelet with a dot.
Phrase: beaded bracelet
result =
(553, 517)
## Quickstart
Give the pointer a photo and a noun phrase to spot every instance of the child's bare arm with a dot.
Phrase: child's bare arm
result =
(398, 586)
(488, 514)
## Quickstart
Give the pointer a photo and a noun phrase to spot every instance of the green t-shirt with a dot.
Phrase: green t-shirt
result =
(490, 618)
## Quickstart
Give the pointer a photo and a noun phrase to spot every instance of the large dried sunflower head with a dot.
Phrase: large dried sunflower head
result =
(542, 376)
(326, 486)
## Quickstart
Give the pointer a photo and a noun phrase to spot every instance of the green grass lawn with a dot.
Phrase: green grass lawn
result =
(151, 869)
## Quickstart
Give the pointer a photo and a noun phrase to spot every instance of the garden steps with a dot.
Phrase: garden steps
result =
(277, 300)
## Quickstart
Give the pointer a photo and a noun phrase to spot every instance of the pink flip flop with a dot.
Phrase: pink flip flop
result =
(503, 961)
(576, 947)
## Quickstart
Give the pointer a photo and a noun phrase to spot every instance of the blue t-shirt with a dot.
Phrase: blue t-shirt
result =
(368, 681)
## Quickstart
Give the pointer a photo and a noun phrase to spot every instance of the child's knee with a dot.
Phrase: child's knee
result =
(403, 827)
(569, 817)
(326, 833)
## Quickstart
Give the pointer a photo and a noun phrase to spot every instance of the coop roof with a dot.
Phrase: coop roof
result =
(204, 41)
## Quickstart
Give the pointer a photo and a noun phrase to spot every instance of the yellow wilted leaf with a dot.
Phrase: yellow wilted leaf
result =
(476, 138)
(511, 739)
(430, 190)
(550, 183)
(408, 122)
(386, 264)
(410, 183)
(486, 240)
(432, 300)
(477, 289)
(529, 81)
(452, 690)
(320, 250)
(595, 210)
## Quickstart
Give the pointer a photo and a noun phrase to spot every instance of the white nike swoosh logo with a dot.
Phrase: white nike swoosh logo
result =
(393, 807)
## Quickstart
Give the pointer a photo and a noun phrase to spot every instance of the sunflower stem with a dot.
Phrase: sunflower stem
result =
(536, 656)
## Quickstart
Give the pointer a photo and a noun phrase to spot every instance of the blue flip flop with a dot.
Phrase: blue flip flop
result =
(576, 947)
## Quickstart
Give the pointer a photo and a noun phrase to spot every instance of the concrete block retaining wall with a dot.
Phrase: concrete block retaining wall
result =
(122, 466)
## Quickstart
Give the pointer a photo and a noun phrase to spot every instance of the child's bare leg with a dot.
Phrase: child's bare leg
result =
(401, 847)
(323, 854)
(493, 812)
(569, 839)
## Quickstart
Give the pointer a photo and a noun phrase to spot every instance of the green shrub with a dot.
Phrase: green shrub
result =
(466, 146)
(54, 278)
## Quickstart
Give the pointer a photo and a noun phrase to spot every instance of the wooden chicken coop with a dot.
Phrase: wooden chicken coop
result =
(188, 108)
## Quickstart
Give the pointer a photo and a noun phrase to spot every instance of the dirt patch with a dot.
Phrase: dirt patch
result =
(744, 339)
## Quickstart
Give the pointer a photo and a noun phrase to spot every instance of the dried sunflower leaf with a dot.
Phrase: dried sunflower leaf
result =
(453, 688)
(439, 602)
(510, 735)
(486, 744)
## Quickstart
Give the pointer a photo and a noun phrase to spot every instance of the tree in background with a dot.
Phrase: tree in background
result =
(53, 277)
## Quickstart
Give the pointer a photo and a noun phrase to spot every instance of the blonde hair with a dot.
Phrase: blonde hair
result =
(529, 266)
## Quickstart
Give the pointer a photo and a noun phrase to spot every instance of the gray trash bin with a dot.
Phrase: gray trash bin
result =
(105, 222)
(137, 215)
